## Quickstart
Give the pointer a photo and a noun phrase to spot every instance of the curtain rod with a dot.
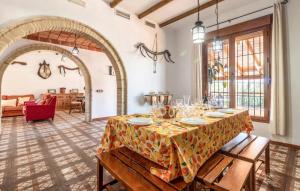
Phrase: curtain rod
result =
(229, 20)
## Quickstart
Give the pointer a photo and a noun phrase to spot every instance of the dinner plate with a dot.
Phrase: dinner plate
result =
(215, 114)
(140, 121)
(228, 111)
(193, 121)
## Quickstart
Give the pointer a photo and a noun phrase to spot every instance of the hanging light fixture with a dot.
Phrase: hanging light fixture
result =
(198, 30)
(75, 50)
(218, 43)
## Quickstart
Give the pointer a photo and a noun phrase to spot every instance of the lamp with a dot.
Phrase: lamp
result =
(75, 50)
(217, 43)
(198, 31)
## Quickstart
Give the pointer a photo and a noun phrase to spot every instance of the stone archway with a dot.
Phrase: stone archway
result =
(34, 47)
(18, 29)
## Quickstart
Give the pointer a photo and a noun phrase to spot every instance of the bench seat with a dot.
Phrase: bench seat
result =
(133, 171)
(225, 173)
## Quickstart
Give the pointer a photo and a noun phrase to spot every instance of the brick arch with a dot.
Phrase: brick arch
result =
(4, 63)
(18, 29)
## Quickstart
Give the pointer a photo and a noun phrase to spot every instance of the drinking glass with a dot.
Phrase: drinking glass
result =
(179, 102)
(186, 100)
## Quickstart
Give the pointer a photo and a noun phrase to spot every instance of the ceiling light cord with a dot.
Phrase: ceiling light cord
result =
(198, 10)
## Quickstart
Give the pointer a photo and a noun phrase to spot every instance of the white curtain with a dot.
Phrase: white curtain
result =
(197, 72)
(278, 112)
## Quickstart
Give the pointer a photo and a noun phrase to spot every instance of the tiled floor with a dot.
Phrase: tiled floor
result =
(59, 155)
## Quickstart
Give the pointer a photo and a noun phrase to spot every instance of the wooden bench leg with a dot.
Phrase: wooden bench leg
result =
(99, 176)
(252, 178)
(267, 159)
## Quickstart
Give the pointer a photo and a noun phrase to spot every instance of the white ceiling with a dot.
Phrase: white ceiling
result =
(176, 7)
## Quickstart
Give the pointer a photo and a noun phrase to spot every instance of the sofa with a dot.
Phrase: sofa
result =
(17, 109)
(40, 111)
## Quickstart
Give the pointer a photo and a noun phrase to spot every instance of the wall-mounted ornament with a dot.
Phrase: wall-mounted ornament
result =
(18, 62)
(62, 69)
(111, 71)
(44, 70)
(154, 54)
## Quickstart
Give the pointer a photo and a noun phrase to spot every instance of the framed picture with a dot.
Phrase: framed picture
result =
(52, 91)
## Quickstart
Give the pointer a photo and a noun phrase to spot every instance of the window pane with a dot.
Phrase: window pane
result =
(218, 87)
(249, 65)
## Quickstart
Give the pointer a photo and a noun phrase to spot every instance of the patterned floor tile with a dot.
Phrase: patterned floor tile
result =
(59, 155)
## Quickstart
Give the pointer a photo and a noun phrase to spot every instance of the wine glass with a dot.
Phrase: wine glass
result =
(186, 100)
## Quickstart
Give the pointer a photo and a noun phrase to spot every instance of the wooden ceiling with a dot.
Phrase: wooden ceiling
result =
(183, 8)
(64, 38)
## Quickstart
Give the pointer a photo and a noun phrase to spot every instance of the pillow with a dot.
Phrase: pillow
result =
(41, 102)
(9, 102)
(48, 100)
(21, 100)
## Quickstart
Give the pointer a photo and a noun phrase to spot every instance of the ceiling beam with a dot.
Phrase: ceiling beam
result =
(190, 12)
(114, 3)
(154, 8)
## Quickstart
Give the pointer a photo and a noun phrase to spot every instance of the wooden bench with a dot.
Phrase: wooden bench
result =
(249, 148)
(133, 171)
(225, 173)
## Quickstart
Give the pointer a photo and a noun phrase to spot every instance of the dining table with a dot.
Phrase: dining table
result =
(179, 149)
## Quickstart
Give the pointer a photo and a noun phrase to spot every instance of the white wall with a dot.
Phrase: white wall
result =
(19, 79)
(104, 103)
(122, 34)
(179, 75)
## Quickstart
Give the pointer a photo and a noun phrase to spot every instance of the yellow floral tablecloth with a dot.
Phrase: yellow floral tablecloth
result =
(179, 149)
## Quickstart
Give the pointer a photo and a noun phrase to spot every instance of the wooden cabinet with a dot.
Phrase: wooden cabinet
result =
(63, 100)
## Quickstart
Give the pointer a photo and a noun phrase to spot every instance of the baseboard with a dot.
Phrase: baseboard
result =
(297, 147)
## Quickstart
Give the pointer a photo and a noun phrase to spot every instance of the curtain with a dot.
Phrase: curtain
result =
(197, 72)
(278, 112)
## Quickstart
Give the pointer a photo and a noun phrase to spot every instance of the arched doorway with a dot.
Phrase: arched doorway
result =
(34, 47)
(18, 29)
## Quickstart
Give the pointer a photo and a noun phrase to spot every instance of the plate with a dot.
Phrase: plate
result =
(228, 111)
(215, 114)
(193, 121)
(140, 121)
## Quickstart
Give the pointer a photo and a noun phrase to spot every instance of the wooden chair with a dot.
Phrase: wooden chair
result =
(75, 104)
(225, 173)
(249, 148)
(133, 171)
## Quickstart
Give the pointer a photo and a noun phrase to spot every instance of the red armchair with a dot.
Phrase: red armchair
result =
(34, 111)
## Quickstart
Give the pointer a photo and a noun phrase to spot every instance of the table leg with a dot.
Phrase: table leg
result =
(267, 159)
(99, 176)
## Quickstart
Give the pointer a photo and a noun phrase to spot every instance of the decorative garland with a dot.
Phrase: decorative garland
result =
(63, 68)
(153, 55)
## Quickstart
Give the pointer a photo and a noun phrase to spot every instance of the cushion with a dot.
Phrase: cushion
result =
(48, 100)
(41, 102)
(9, 102)
(21, 100)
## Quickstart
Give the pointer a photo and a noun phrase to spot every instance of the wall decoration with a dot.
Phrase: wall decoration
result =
(44, 70)
(153, 54)
(62, 69)
(111, 71)
(18, 62)
(52, 91)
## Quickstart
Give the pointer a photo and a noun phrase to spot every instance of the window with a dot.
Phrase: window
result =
(243, 77)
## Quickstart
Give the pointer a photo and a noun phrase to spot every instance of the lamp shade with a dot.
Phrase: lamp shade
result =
(198, 32)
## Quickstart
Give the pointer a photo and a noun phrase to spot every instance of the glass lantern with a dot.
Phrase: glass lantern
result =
(198, 32)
